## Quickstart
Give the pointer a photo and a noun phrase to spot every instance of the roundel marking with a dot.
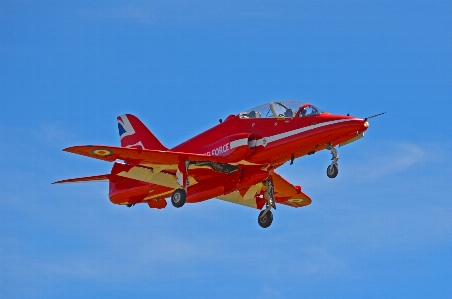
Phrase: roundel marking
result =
(102, 152)
(296, 201)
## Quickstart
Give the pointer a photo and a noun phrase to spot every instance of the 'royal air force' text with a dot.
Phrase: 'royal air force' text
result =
(218, 151)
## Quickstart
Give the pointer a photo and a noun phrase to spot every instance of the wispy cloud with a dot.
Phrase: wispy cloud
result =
(361, 163)
(396, 229)
(182, 12)
(130, 12)
(318, 261)
(43, 133)
(51, 133)
(389, 158)
(141, 251)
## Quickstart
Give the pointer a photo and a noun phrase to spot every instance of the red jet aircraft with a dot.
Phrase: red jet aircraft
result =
(234, 161)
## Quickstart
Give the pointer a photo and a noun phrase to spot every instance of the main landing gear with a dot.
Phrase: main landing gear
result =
(178, 198)
(265, 218)
(333, 169)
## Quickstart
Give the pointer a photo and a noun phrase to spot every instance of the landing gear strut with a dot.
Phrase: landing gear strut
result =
(333, 168)
(265, 218)
(179, 196)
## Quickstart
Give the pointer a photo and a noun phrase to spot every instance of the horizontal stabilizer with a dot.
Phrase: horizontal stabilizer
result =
(288, 194)
(94, 178)
(285, 193)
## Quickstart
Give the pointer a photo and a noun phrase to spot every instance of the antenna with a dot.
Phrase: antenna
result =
(374, 116)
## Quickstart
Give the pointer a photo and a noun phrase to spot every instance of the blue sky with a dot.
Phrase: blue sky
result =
(382, 228)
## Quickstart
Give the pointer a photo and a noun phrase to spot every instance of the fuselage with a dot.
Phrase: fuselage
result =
(278, 139)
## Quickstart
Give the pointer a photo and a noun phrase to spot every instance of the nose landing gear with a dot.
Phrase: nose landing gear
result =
(265, 218)
(333, 168)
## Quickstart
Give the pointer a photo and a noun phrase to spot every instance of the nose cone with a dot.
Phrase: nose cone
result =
(357, 124)
(365, 125)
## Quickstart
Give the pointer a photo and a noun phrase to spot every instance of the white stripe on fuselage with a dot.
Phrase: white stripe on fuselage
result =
(238, 142)
(280, 136)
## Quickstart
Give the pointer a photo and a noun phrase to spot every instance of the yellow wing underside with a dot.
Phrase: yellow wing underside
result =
(285, 193)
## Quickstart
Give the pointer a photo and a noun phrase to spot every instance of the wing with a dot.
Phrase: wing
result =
(285, 193)
(138, 156)
(154, 166)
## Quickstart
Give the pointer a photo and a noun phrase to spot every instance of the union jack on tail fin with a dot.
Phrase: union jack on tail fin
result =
(133, 133)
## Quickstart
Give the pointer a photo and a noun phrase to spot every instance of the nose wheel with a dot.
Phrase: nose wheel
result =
(265, 218)
(333, 168)
(332, 171)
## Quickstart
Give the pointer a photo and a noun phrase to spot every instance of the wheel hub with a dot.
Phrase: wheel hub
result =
(176, 197)
(330, 170)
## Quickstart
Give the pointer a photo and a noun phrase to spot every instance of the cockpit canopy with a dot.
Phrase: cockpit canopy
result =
(282, 109)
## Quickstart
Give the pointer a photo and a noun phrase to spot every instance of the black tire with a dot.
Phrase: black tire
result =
(332, 171)
(178, 198)
(265, 221)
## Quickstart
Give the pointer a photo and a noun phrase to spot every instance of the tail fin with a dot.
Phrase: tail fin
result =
(134, 133)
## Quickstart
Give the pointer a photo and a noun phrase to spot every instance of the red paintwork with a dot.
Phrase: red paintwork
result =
(215, 145)
(280, 151)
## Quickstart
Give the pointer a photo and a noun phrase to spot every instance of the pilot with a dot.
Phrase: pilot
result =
(289, 113)
(254, 114)
(314, 111)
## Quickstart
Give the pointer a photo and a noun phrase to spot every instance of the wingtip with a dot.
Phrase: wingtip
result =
(74, 149)
(68, 149)
(58, 182)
